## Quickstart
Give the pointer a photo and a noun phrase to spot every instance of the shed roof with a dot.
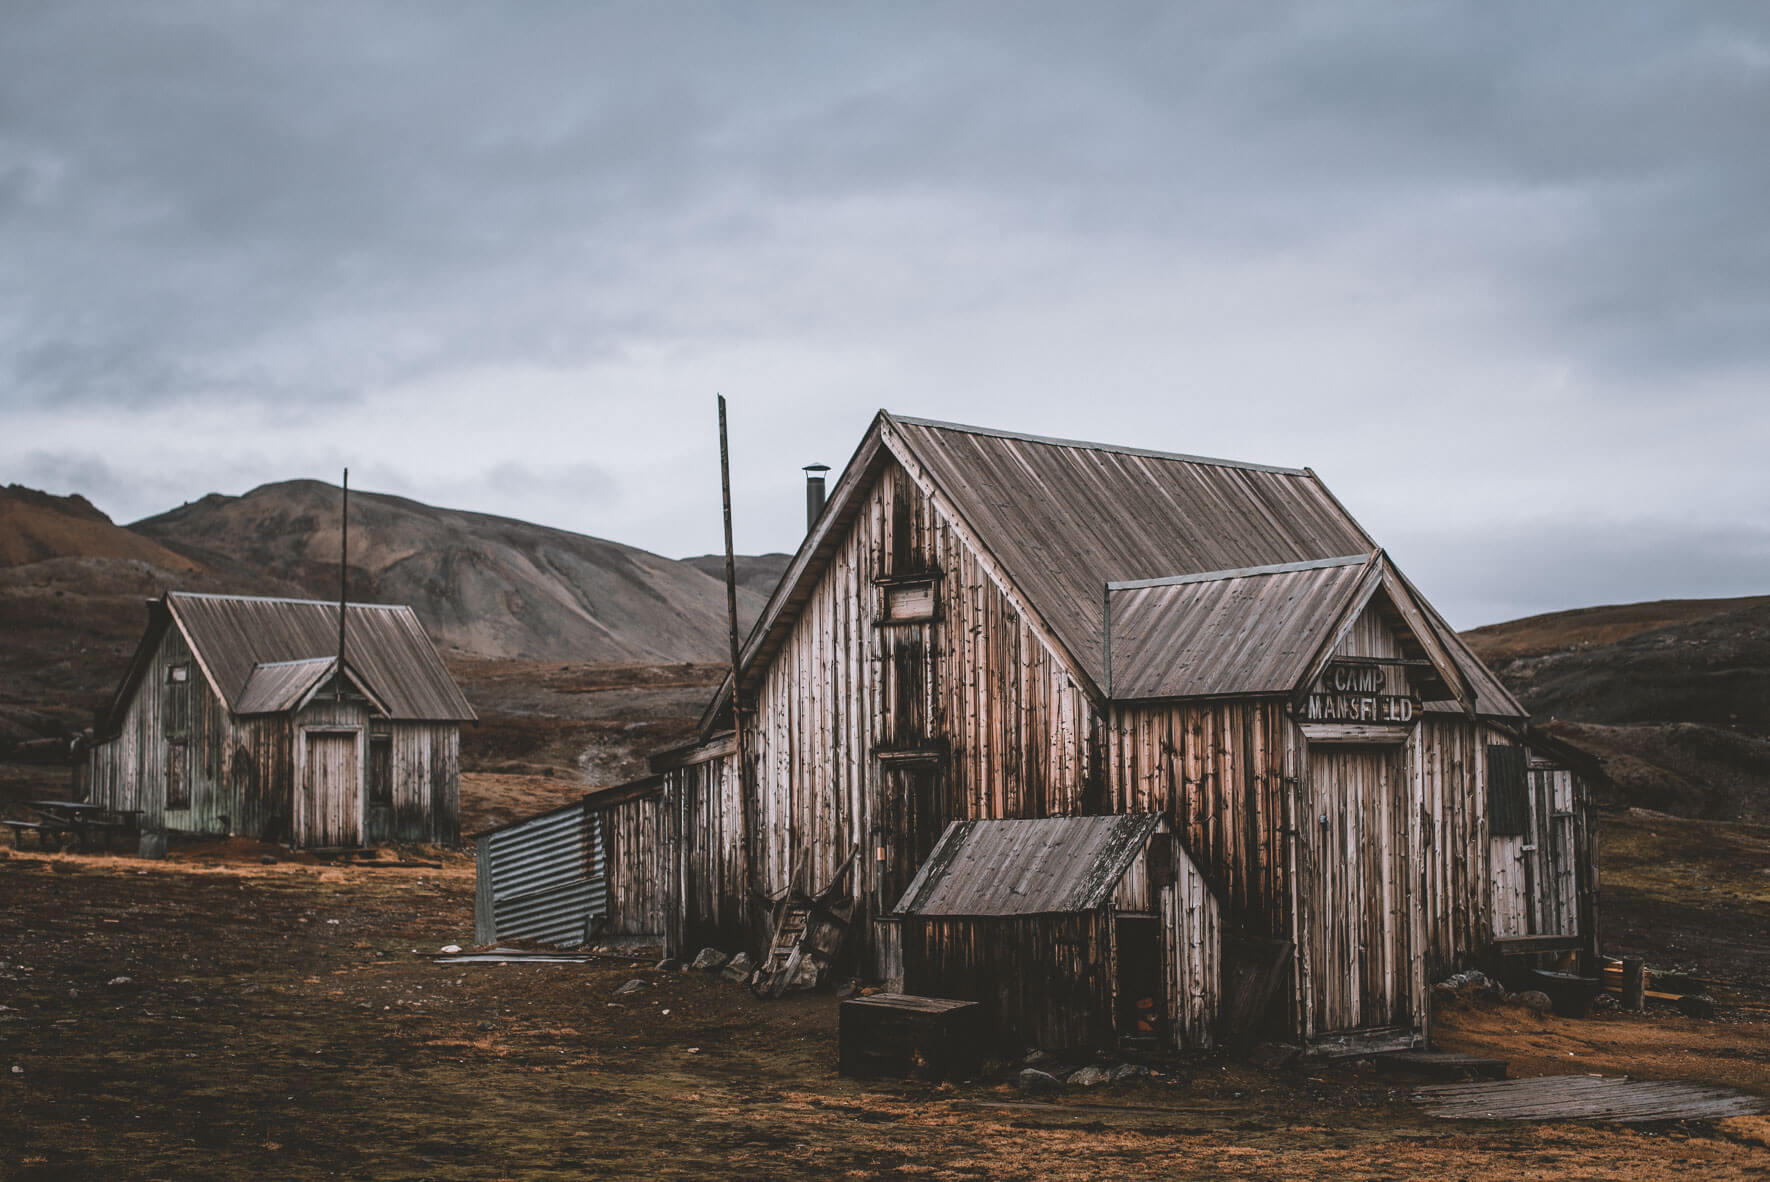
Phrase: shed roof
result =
(1036, 867)
(257, 651)
(1064, 518)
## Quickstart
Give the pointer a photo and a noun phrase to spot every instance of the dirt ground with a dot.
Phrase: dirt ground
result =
(217, 1018)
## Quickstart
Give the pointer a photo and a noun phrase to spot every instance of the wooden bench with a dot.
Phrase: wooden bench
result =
(44, 831)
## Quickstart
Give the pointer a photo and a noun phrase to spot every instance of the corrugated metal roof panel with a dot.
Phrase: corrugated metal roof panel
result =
(1034, 867)
(385, 645)
(1241, 633)
(1065, 518)
(547, 876)
(276, 686)
(1062, 518)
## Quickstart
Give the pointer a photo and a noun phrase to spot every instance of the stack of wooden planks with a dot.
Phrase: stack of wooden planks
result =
(1587, 1097)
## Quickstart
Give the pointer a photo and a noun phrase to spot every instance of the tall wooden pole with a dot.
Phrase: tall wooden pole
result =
(343, 579)
(731, 611)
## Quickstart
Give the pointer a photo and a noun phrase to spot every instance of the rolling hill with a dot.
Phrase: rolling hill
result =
(1673, 697)
(483, 585)
(73, 584)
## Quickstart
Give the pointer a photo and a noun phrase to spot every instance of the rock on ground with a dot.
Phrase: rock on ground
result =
(1039, 1083)
(1535, 1000)
(1089, 1077)
(708, 959)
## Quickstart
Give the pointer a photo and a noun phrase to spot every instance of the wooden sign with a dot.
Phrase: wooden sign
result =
(1352, 691)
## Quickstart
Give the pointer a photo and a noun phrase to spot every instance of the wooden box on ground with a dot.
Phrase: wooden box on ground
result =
(900, 1034)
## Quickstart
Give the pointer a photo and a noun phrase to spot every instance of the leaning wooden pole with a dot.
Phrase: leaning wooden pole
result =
(343, 584)
(731, 613)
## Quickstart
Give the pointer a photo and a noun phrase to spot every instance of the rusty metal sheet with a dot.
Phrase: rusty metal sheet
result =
(1034, 867)
(385, 644)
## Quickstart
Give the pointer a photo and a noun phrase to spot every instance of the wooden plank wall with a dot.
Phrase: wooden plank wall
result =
(1448, 765)
(709, 875)
(1042, 980)
(976, 682)
(1217, 770)
(639, 848)
(238, 769)
(1194, 966)
(426, 782)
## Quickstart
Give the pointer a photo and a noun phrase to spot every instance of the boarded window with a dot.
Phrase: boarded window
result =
(178, 780)
(380, 769)
(908, 602)
(1508, 793)
(177, 712)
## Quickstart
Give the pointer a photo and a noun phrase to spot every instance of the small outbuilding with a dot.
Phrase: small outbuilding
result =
(237, 716)
(1067, 931)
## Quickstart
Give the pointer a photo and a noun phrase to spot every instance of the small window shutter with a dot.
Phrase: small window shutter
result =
(1508, 800)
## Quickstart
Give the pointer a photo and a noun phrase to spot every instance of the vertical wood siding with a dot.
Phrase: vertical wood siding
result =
(639, 847)
(1008, 732)
(1217, 771)
(1041, 980)
(1193, 966)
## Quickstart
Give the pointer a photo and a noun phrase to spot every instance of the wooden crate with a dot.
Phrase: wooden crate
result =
(901, 1034)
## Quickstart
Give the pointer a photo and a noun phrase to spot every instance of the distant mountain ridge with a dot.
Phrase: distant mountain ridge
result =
(72, 585)
(484, 585)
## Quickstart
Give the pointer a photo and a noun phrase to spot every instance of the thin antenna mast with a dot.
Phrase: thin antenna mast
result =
(343, 572)
(731, 609)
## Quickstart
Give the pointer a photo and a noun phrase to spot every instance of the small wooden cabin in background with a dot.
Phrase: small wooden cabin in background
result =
(235, 718)
(985, 626)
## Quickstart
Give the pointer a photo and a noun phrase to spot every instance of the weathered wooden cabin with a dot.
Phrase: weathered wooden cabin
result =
(982, 625)
(235, 717)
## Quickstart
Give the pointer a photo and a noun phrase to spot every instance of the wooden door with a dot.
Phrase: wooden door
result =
(331, 790)
(1356, 895)
(915, 813)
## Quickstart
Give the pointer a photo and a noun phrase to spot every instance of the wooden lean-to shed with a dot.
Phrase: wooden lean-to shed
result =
(235, 717)
(987, 626)
(1064, 930)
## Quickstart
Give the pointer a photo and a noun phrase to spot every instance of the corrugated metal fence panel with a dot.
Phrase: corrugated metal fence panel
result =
(547, 878)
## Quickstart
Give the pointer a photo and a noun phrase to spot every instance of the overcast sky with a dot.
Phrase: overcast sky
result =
(1499, 273)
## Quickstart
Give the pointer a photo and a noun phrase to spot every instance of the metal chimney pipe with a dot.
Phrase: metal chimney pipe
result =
(814, 493)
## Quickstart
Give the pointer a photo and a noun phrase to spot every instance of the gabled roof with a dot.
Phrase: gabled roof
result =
(1059, 520)
(1038, 867)
(263, 655)
(1224, 633)
(276, 686)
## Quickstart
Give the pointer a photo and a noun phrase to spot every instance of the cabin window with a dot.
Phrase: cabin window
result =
(177, 714)
(178, 781)
(908, 601)
(380, 769)
(1508, 792)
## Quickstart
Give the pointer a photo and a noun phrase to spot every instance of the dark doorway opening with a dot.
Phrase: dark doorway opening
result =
(1142, 1018)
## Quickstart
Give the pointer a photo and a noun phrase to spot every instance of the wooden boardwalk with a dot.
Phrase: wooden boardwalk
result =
(1587, 1097)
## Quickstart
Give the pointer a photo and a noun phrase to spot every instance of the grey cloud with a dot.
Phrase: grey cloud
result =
(1503, 573)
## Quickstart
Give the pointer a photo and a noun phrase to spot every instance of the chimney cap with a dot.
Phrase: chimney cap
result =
(816, 470)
